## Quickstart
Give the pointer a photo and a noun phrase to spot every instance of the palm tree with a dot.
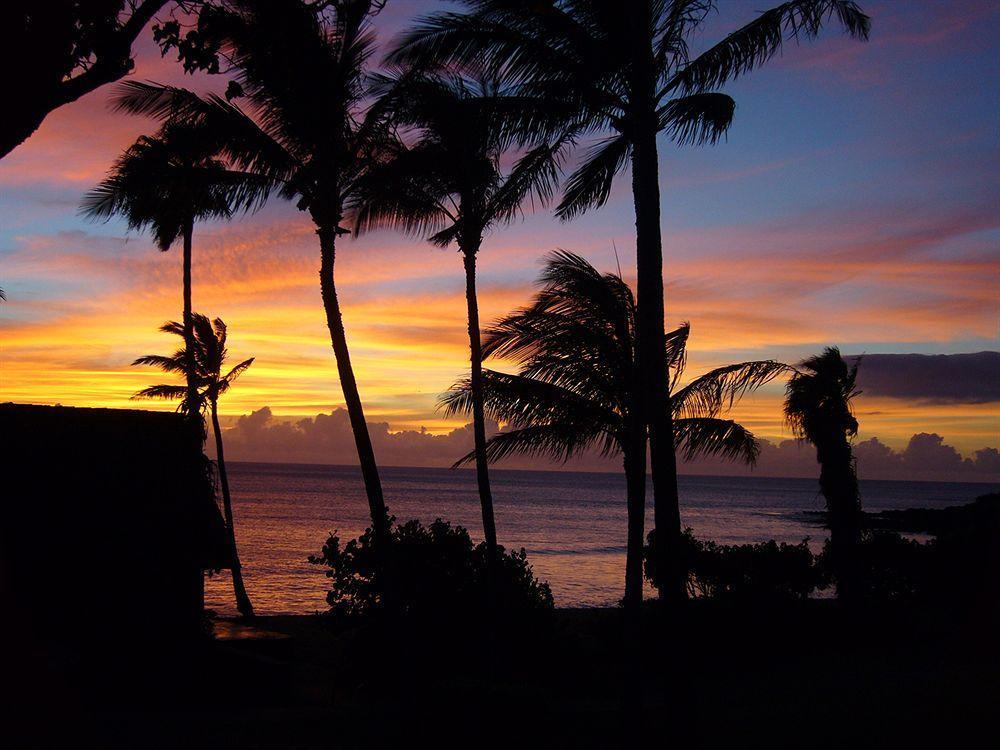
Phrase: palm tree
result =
(165, 183)
(576, 347)
(818, 408)
(301, 69)
(202, 365)
(623, 66)
(450, 186)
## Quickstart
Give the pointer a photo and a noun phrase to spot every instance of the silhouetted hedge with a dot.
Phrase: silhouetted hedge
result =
(767, 570)
(433, 570)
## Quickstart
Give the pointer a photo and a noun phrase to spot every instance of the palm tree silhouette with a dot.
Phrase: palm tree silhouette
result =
(624, 66)
(450, 186)
(576, 347)
(202, 365)
(818, 408)
(166, 182)
(577, 389)
(305, 130)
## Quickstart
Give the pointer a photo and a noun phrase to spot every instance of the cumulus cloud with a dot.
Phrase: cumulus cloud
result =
(938, 378)
(327, 439)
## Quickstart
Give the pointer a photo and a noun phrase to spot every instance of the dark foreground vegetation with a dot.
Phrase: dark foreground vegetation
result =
(751, 660)
(805, 673)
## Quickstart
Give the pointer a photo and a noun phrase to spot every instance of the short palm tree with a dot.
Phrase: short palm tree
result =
(818, 409)
(623, 67)
(451, 186)
(166, 182)
(304, 126)
(576, 347)
(202, 365)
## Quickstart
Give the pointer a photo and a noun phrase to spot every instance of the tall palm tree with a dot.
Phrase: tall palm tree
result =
(301, 70)
(451, 186)
(818, 408)
(165, 183)
(203, 365)
(623, 67)
(576, 347)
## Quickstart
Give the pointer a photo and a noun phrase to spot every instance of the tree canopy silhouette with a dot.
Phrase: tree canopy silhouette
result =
(818, 408)
(625, 68)
(575, 345)
(304, 124)
(202, 365)
(165, 183)
(450, 185)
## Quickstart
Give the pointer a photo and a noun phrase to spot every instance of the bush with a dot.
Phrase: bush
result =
(767, 570)
(890, 567)
(433, 571)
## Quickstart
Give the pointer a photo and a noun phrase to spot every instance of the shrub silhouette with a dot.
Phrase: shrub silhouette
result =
(434, 571)
(763, 571)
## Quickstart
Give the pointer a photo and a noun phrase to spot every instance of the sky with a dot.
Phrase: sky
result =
(854, 203)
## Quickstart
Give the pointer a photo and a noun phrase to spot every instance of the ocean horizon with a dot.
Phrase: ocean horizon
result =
(571, 523)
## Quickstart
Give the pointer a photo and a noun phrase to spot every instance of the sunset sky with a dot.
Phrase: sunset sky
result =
(855, 202)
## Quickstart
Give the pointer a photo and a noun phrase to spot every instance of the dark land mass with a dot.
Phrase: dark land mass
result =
(802, 674)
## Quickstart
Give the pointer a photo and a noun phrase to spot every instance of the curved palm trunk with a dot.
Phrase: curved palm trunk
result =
(838, 482)
(635, 482)
(188, 321)
(650, 332)
(352, 399)
(478, 412)
(652, 360)
(243, 604)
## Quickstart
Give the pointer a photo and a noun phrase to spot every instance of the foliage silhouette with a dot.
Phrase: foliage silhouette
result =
(63, 50)
(167, 182)
(203, 367)
(450, 186)
(762, 572)
(818, 409)
(435, 572)
(305, 132)
(625, 68)
(576, 346)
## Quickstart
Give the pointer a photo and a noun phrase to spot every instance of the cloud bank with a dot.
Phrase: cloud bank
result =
(935, 379)
(327, 439)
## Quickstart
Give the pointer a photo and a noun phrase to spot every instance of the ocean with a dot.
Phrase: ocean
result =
(572, 524)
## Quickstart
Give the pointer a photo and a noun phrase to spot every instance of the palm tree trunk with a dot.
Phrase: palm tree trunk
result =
(352, 399)
(839, 484)
(478, 412)
(192, 385)
(635, 483)
(650, 332)
(243, 604)
(652, 360)
(632, 688)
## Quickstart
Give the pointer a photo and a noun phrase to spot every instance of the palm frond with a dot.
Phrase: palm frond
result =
(719, 389)
(556, 441)
(697, 119)
(169, 392)
(590, 185)
(721, 438)
(166, 364)
(762, 38)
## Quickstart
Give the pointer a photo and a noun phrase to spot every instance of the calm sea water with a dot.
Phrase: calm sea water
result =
(571, 524)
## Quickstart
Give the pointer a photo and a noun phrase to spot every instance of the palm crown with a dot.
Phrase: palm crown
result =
(209, 355)
(576, 389)
(451, 183)
(169, 180)
(591, 57)
(303, 129)
(818, 398)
